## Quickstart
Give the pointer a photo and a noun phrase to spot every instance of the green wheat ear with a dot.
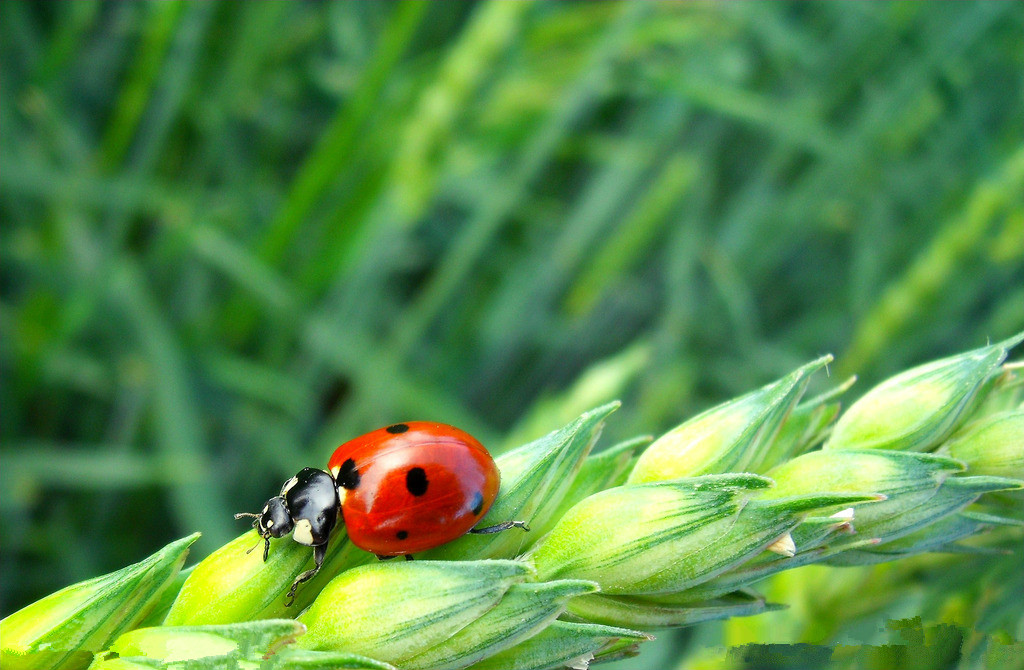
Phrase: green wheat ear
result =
(656, 536)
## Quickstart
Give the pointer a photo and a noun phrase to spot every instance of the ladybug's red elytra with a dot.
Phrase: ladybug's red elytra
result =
(401, 489)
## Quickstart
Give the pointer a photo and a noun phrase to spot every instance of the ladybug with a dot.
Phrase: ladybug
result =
(399, 490)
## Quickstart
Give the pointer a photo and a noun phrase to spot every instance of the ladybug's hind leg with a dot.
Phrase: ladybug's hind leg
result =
(498, 527)
(319, 554)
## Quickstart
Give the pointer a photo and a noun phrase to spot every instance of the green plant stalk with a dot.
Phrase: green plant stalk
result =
(611, 552)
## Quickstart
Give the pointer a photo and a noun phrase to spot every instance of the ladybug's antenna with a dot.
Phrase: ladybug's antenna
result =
(255, 518)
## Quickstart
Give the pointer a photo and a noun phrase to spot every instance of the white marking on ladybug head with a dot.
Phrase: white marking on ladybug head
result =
(288, 484)
(342, 492)
(270, 523)
(303, 533)
(334, 471)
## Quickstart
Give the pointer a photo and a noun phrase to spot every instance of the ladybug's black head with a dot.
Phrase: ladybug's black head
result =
(275, 520)
(307, 506)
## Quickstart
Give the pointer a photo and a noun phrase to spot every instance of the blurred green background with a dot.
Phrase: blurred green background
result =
(235, 235)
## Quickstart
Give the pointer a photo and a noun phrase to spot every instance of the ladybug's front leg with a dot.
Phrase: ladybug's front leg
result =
(319, 554)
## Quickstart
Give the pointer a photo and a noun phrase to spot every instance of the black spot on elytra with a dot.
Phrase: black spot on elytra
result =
(348, 475)
(397, 428)
(402, 534)
(416, 481)
(478, 503)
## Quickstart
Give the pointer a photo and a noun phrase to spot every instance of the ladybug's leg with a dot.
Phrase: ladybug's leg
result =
(319, 554)
(266, 548)
(383, 558)
(408, 557)
(498, 527)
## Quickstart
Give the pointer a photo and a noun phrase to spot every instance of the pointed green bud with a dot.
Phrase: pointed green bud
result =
(63, 630)
(394, 612)
(937, 536)
(918, 409)
(905, 479)
(758, 568)
(524, 611)
(656, 612)
(566, 645)
(954, 494)
(664, 537)
(534, 479)
(726, 438)
(919, 489)
(599, 472)
(251, 641)
(622, 536)
(806, 426)
(993, 445)
(235, 584)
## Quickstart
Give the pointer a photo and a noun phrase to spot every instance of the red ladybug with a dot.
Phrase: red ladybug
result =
(405, 488)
